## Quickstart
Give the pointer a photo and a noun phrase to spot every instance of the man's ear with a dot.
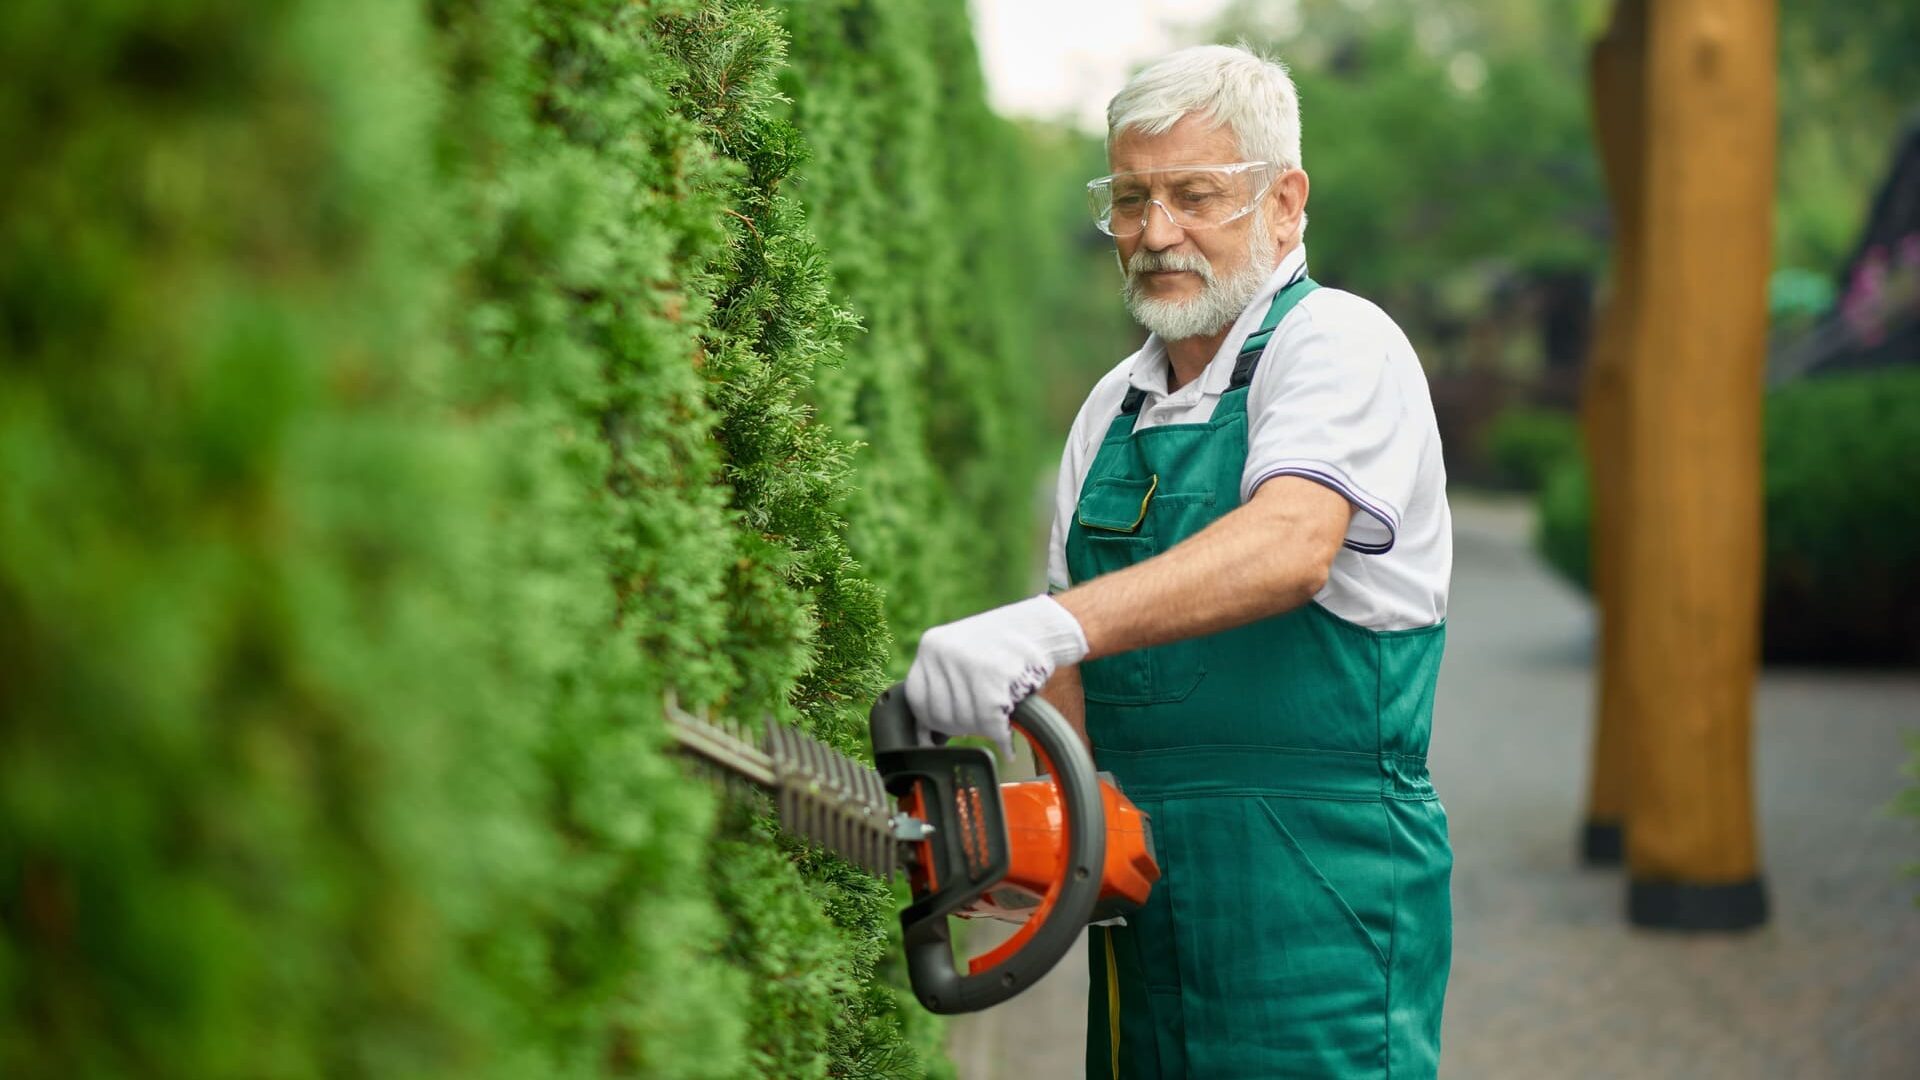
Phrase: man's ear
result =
(1290, 198)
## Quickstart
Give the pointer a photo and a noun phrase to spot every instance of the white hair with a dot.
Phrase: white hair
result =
(1250, 94)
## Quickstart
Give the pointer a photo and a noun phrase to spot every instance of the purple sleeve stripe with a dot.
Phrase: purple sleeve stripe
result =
(1353, 496)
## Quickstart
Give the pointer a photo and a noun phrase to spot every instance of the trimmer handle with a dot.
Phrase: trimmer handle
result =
(946, 783)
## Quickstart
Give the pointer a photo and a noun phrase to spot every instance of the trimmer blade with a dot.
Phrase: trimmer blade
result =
(820, 793)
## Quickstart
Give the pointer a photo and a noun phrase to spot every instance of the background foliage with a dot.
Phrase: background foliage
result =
(397, 398)
(1842, 572)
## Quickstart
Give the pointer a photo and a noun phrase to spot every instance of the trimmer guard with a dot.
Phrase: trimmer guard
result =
(956, 790)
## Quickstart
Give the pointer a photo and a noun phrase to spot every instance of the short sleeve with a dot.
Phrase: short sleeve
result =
(1329, 403)
(1102, 403)
(1066, 495)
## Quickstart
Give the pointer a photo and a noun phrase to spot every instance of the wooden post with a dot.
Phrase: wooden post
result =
(1690, 561)
(1617, 85)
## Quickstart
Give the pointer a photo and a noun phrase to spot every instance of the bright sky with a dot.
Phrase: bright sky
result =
(1062, 59)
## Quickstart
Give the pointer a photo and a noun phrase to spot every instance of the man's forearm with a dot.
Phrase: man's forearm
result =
(1269, 556)
(1065, 692)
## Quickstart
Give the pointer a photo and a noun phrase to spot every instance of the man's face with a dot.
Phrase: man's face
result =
(1192, 141)
(1191, 283)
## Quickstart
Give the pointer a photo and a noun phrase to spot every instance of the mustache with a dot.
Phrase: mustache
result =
(1145, 261)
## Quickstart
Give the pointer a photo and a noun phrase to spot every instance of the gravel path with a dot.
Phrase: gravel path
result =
(1548, 980)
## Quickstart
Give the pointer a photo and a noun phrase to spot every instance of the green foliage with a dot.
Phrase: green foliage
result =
(1442, 138)
(1451, 149)
(1848, 85)
(1843, 573)
(235, 622)
(919, 193)
(1526, 444)
(1565, 515)
(1797, 298)
(397, 398)
(1908, 800)
(1075, 274)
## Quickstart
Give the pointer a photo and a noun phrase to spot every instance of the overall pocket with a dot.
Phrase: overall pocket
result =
(1120, 521)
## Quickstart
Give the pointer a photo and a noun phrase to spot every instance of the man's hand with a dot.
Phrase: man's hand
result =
(967, 676)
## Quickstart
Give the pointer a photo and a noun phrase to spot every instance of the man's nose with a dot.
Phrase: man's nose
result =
(1160, 232)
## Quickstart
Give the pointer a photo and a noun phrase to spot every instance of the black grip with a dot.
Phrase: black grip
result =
(930, 966)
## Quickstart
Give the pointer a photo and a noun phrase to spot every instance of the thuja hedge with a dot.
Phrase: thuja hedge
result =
(922, 197)
(397, 397)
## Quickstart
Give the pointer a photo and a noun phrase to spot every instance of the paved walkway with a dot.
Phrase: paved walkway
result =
(1548, 980)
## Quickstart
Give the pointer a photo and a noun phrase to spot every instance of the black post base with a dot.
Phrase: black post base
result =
(1675, 905)
(1603, 843)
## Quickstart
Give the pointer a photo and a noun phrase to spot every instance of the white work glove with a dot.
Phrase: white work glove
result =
(968, 675)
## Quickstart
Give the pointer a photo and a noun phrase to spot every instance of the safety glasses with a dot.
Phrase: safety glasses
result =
(1194, 197)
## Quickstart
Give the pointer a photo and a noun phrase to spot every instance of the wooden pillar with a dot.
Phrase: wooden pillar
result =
(1690, 558)
(1617, 83)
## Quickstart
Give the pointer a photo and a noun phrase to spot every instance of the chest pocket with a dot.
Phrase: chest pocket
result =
(1122, 521)
(1117, 504)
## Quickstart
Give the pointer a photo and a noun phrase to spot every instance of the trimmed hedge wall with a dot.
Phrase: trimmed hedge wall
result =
(397, 398)
(1843, 570)
(923, 197)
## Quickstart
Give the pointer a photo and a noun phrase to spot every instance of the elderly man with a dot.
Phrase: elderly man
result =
(1248, 588)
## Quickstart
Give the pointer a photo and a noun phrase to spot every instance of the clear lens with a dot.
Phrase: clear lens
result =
(1194, 197)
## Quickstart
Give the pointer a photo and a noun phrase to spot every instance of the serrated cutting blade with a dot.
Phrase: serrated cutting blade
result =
(819, 793)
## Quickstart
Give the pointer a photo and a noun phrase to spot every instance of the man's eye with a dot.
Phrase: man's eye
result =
(1197, 199)
(1129, 202)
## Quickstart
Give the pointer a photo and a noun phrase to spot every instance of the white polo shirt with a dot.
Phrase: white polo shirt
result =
(1338, 398)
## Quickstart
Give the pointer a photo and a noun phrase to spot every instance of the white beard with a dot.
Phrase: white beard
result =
(1220, 301)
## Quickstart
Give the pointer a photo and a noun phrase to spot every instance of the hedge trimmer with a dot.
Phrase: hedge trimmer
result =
(1052, 854)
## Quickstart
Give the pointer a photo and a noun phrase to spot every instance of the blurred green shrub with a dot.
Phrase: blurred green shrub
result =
(396, 399)
(1560, 527)
(1908, 800)
(1842, 568)
(1524, 445)
(1797, 297)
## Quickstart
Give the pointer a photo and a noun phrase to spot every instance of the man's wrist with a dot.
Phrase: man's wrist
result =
(1056, 631)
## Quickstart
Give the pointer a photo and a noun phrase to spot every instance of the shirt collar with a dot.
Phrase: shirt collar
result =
(1149, 369)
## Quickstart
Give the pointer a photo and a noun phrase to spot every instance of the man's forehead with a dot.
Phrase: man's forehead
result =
(1194, 140)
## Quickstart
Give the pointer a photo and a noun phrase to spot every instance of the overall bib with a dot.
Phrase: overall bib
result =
(1302, 925)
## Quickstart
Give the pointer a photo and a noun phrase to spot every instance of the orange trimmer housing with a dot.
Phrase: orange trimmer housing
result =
(1034, 829)
(1036, 840)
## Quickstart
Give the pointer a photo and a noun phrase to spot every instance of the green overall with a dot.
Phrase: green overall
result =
(1301, 926)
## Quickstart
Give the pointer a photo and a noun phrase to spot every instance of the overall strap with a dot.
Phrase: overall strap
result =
(1256, 343)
